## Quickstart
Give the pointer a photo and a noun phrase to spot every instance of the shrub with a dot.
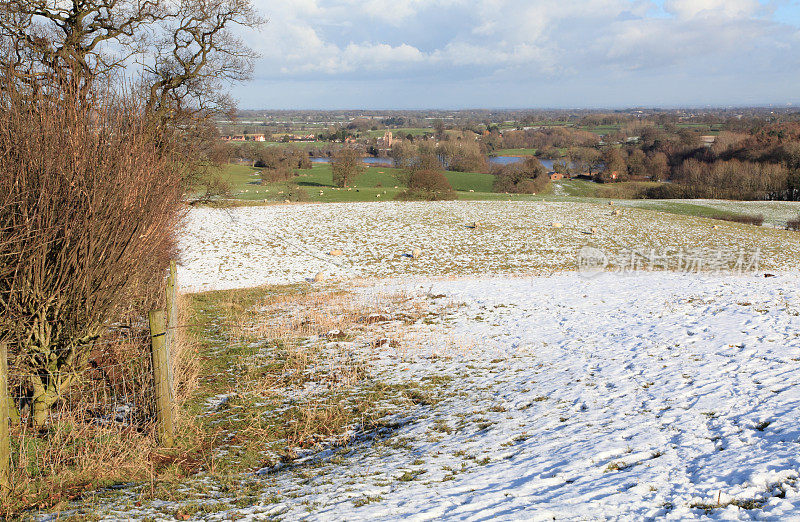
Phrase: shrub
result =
(625, 190)
(92, 197)
(793, 224)
(295, 193)
(529, 177)
(272, 175)
(666, 191)
(429, 185)
(429, 180)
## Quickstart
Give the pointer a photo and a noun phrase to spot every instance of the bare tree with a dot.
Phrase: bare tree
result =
(93, 171)
(186, 49)
(346, 165)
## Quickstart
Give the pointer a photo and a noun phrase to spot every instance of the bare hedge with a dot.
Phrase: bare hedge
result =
(90, 197)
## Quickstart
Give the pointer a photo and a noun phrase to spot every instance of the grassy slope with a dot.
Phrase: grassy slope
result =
(685, 209)
(377, 184)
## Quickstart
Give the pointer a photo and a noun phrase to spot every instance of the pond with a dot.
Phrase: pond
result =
(498, 160)
(508, 160)
(368, 160)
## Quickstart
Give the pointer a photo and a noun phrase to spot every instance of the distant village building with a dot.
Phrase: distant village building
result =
(261, 137)
(387, 140)
(298, 137)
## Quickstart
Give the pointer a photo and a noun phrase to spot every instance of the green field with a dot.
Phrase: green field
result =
(295, 144)
(378, 184)
(375, 184)
(403, 131)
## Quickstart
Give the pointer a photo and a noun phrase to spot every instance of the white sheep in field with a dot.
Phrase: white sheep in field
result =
(556, 224)
(416, 253)
(336, 252)
(319, 277)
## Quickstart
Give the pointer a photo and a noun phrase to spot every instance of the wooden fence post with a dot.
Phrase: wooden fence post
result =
(5, 438)
(158, 334)
(172, 324)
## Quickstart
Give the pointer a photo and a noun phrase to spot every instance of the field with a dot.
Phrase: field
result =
(776, 213)
(488, 377)
(376, 183)
(402, 131)
(242, 247)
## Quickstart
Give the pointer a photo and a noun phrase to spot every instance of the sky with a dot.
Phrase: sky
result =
(452, 54)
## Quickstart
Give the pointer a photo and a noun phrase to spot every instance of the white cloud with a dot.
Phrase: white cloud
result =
(687, 9)
(517, 40)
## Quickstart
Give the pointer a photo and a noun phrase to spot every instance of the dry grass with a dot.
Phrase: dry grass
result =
(294, 330)
(295, 366)
(298, 372)
(102, 433)
(185, 368)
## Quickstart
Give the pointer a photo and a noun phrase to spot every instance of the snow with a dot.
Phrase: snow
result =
(651, 395)
(776, 213)
(558, 396)
(687, 383)
(279, 244)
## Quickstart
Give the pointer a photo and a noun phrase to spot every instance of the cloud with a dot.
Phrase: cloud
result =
(727, 9)
(474, 41)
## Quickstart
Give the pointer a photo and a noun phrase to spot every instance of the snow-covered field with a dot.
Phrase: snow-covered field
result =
(776, 213)
(244, 247)
(556, 396)
(565, 397)
(613, 397)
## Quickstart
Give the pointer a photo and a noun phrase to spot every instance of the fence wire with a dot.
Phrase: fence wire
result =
(110, 395)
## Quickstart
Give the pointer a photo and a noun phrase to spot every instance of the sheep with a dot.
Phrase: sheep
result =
(416, 253)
